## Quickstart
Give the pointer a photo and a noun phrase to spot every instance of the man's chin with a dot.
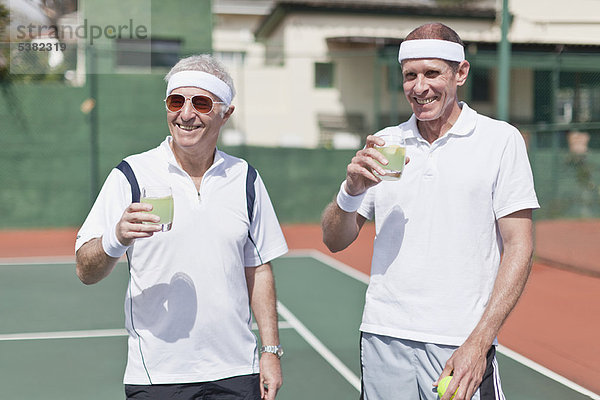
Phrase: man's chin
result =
(426, 117)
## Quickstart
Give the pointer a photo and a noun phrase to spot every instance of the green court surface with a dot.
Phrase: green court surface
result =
(61, 340)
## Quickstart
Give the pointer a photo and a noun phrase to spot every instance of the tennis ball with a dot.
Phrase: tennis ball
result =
(443, 385)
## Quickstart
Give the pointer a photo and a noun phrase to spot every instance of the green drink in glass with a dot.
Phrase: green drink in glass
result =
(161, 200)
(395, 152)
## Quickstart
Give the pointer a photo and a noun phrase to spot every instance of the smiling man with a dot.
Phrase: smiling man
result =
(192, 288)
(453, 243)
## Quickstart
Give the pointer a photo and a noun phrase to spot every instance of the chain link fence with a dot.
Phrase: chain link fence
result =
(566, 166)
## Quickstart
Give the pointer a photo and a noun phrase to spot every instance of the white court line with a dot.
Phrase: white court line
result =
(346, 269)
(84, 334)
(43, 260)
(319, 347)
(546, 372)
(330, 261)
(36, 261)
(94, 333)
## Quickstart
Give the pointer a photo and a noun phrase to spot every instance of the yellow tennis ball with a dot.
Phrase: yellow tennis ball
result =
(443, 385)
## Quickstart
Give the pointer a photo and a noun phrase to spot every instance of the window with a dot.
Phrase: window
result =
(481, 85)
(231, 58)
(165, 52)
(394, 78)
(274, 53)
(133, 53)
(323, 75)
(147, 53)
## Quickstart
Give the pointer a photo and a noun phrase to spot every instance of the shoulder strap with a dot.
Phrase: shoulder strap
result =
(125, 168)
(250, 197)
(250, 193)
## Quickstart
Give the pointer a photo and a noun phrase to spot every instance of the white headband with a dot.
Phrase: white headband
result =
(202, 80)
(431, 48)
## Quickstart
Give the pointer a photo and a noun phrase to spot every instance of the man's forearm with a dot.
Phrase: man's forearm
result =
(263, 300)
(92, 263)
(509, 286)
(340, 228)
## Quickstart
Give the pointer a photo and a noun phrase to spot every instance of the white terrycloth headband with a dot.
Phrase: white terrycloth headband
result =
(202, 80)
(431, 48)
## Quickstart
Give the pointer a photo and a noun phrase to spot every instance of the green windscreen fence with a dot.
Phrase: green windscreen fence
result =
(45, 168)
(566, 166)
(46, 156)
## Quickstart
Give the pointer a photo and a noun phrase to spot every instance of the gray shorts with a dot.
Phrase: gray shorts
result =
(404, 369)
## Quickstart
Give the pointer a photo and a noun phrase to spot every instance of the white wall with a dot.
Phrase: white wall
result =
(555, 21)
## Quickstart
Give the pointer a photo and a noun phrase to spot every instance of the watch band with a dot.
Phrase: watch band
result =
(277, 350)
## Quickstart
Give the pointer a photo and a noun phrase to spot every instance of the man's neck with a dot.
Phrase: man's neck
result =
(435, 129)
(194, 162)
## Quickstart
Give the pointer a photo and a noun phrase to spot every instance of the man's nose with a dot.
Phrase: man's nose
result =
(420, 84)
(187, 111)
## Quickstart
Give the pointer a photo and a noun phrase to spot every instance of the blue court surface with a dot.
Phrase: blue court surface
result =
(61, 340)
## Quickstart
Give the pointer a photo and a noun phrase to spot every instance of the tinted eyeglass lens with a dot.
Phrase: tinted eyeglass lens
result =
(202, 104)
(175, 102)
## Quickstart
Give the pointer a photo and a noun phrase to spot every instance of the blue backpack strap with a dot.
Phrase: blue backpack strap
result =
(125, 168)
(250, 192)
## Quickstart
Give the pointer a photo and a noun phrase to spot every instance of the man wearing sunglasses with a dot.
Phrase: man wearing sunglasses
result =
(439, 288)
(192, 288)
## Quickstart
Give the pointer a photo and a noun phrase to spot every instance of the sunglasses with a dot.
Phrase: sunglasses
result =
(203, 104)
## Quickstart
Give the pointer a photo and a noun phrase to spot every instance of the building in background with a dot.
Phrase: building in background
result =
(313, 73)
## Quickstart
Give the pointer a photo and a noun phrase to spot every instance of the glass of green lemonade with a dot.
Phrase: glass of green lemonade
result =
(161, 199)
(394, 151)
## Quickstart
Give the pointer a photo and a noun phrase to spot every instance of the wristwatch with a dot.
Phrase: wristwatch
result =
(277, 350)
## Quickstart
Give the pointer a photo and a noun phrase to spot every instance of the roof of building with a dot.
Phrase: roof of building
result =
(243, 7)
(464, 4)
(485, 9)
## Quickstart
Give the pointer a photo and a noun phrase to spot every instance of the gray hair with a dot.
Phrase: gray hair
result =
(205, 63)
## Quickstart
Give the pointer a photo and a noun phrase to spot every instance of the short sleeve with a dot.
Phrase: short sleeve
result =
(367, 207)
(113, 199)
(265, 238)
(514, 189)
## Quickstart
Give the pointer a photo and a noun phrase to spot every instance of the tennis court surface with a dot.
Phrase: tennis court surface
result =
(62, 340)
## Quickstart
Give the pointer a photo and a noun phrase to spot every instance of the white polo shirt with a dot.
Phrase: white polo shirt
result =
(437, 246)
(187, 307)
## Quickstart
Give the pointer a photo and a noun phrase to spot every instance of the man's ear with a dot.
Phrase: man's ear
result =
(463, 72)
(228, 113)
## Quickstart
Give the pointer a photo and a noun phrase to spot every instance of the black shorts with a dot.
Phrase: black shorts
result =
(245, 387)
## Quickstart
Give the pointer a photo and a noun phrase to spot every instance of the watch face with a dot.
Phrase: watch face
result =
(277, 350)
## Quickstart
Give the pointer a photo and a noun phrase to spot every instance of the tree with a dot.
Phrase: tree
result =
(4, 44)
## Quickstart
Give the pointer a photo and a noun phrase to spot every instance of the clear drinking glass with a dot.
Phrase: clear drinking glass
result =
(161, 199)
(394, 150)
